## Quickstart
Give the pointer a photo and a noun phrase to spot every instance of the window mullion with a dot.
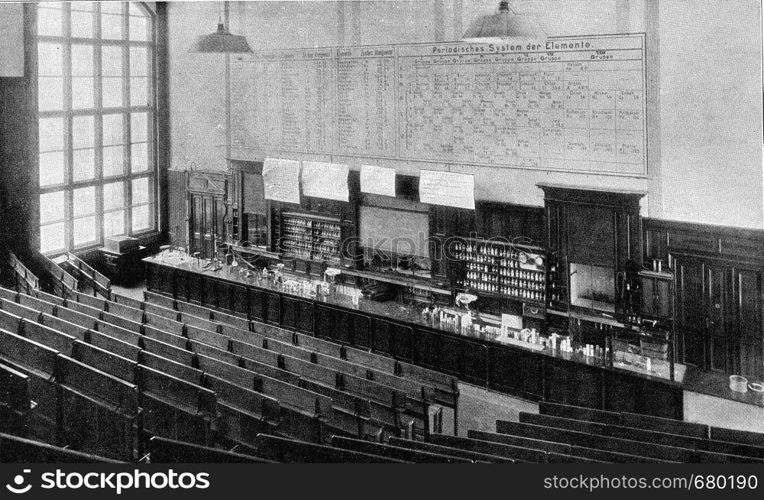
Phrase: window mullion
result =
(66, 27)
(98, 119)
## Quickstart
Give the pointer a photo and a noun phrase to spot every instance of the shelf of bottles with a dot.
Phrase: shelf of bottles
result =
(311, 238)
(557, 290)
(502, 269)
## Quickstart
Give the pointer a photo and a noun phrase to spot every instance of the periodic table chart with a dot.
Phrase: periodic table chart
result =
(562, 104)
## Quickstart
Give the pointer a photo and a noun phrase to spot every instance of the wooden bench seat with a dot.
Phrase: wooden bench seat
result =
(121, 322)
(92, 425)
(158, 299)
(294, 451)
(27, 353)
(76, 331)
(161, 311)
(89, 300)
(447, 450)
(584, 439)
(125, 300)
(36, 304)
(170, 451)
(161, 335)
(618, 431)
(80, 307)
(48, 297)
(737, 436)
(264, 407)
(166, 419)
(166, 324)
(117, 332)
(202, 335)
(105, 361)
(48, 336)
(394, 452)
(8, 294)
(15, 449)
(75, 317)
(170, 367)
(191, 396)
(15, 400)
(98, 384)
(19, 310)
(516, 453)
(125, 311)
(660, 424)
(286, 394)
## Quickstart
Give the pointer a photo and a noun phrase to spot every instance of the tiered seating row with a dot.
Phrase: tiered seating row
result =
(617, 437)
(96, 334)
(210, 337)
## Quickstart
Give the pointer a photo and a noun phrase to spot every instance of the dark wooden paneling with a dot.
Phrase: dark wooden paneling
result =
(256, 304)
(573, 383)
(239, 299)
(510, 222)
(450, 358)
(474, 363)
(361, 333)
(427, 348)
(515, 372)
(210, 296)
(382, 336)
(305, 317)
(289, 313)
(272, 308)
(194, 288)
(325, 322)
(634, 394)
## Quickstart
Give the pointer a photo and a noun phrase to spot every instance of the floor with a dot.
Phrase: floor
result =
(134, 292)
(479, 409)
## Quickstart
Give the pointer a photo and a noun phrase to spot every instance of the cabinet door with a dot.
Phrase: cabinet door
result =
(591, 233)
(690, 313)
(664, 307)
(748, 322)
(649, 288)
(718, 288)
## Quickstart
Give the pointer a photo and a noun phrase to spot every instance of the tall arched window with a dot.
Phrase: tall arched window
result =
(97, 115)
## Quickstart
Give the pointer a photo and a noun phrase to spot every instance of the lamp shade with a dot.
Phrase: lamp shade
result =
(503, 25)
(222, 41)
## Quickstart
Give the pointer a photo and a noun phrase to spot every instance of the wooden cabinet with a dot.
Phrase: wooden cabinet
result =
(718, 321)
(207, 192)
(657, 299)
(595, 239)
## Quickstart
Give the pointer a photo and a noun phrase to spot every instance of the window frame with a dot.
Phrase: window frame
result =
(97, 111)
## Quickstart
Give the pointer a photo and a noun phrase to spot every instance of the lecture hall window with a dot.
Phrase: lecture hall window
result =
(96, 122)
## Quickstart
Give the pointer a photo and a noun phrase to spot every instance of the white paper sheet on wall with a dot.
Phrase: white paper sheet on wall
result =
(325, 180)
(378, 180)
(281, 180)
(447, 188)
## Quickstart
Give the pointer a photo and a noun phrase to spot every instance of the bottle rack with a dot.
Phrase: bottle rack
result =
(503, 269)
(311, 238)
(557, 289)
